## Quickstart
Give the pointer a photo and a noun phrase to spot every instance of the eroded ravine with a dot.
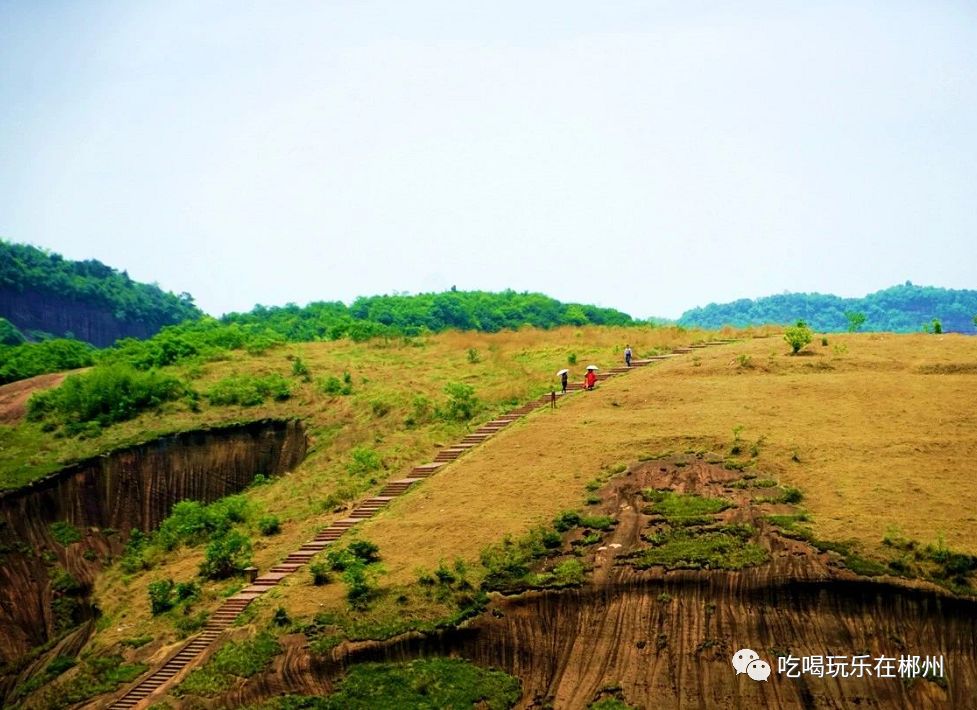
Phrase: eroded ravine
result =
(104, 498)
(666, 638)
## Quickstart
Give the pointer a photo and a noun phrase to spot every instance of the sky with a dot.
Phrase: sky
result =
(648, 156)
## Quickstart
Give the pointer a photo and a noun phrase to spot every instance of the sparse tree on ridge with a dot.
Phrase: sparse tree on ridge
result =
(856, 319)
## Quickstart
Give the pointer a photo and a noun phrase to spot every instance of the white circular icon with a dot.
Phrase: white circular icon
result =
(743, 658)
(758, 670)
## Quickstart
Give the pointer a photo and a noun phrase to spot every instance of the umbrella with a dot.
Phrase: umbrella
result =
(592, 367)
(561, 372)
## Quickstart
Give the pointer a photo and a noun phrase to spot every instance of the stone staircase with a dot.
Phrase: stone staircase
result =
(137, 696)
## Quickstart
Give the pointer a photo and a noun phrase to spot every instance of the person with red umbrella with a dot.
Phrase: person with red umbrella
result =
(591, 379)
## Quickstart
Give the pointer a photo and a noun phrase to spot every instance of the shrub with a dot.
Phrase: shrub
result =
(320, 573)
(380, 408)
(226, 555)
(363, 460)
(798, 335)
(160, 596)
(569, 573)
(421, 411)
(29, 359)
(824, 342)
(359, 586)
(572, 359)
(567, 520)
(473, 356)
(64, 533)
(364, 550)
(248, 391)
(462, 402)
(269, 525)
(301, 370)
(191, 522)
(102, 396)
(280, 617)
(333, 386)
(937, 326)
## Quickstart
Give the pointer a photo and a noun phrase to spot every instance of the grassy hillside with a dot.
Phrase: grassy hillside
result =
(900, 309)
(874, 431)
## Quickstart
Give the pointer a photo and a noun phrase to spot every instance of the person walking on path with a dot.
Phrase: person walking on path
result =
(590, 380)
(627, 355)
(564, 378)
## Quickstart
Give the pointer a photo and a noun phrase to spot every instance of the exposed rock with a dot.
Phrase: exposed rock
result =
(106, 497)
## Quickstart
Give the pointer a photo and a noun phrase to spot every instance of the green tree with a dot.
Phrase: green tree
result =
(855, 320)
(798, 335)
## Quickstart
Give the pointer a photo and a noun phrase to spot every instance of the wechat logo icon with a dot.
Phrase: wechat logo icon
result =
(748, 661)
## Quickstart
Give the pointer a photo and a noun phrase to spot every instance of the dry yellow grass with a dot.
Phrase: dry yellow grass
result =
(881, 444)
(513, 366)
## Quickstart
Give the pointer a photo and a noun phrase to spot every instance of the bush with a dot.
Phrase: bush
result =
(191, 522)
(269, 525)
(421, 412)
(104, 395)
(64, 533)
(280, 617)
(567, 520)
(365, 551)
(160, 596)
(798, 336)
(462, 402)
(320, 573)
(18, 362)
(301, 370)
(473, 356)
(572, 359)
(380, 408)
(248, 391)
(569, 573)
(359, 585)
(226, 555)
(363, 460)
(333, 386)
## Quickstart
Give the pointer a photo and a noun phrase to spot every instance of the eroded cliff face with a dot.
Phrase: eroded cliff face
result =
(51, 313)
(665, 639)
(104, 499)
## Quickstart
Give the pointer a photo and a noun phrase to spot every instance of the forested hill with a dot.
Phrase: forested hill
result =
(43, 294)
(410, 314)
(900, 309)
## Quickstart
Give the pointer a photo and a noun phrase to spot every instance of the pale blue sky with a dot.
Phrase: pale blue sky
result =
(650, 156)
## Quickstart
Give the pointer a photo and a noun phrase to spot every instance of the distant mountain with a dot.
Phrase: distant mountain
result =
(900, 309)
(43, 294)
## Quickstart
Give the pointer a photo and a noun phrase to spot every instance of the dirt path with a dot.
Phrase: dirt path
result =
(14, 396)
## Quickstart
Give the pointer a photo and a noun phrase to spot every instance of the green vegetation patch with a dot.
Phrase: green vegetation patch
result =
(248, 390)
(233, 660)
(18, 362)
(106, 394)
(431, 683)
(684, 508)
(95, 676)
(64, 533)
(723, 547)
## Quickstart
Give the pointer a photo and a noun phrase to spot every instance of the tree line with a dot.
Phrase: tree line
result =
(899, 309)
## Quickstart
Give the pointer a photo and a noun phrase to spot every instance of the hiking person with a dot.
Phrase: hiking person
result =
(627, 355)
(564, 378)
(553, 400)
(590, 380)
